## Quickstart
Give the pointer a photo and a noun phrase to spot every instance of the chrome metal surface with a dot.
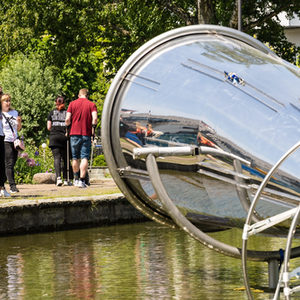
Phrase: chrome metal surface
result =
(205, 87)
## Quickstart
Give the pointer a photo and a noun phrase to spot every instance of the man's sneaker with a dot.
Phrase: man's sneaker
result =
(82, 184)
(87, 179)
(67, 183)
(14, 189)
(4, 193)
(59, 181)
(76, 182)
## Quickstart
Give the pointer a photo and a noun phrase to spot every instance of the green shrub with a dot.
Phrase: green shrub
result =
(99, 161)
(33, 89)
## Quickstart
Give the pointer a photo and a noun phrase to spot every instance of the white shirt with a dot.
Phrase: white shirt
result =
(1, 129)
(11, 117)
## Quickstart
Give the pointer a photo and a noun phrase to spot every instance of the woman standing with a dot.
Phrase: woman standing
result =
(58, 140)
(11, 123)
(3, 192)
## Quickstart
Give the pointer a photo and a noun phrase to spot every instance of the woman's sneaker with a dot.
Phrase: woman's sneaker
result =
(59, 181)
(4, 193)
(14, 189)
(67, 183)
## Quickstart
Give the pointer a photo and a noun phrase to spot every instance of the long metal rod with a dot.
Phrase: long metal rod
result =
(184, 151)
(240, 15)
(164, 151)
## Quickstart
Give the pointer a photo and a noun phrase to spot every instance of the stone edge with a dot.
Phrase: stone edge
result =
(28, 216)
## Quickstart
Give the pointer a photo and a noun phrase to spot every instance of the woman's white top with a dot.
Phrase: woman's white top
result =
(1, 129)
(11, 117)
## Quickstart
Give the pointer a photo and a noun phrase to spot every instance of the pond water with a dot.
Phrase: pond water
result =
(135, 261)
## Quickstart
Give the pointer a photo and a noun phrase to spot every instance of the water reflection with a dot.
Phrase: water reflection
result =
(140, 261)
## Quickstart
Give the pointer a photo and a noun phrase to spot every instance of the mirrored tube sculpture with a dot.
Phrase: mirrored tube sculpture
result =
(205, 87)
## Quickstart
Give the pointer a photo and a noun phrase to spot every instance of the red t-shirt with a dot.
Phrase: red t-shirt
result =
(81, 116)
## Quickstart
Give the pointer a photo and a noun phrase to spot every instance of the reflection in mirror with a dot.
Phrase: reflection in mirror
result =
(223, 92)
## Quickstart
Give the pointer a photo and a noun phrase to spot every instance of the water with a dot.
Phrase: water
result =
(136, 261)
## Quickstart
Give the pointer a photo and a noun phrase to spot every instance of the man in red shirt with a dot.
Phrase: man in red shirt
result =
(82, 116)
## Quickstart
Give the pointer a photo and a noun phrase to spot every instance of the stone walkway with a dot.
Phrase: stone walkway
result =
(36, 191)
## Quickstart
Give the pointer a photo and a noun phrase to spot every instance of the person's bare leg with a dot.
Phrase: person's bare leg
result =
(83, 167)
(75, 165)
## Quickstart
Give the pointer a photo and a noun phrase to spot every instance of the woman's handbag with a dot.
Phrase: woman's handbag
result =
(18, 144)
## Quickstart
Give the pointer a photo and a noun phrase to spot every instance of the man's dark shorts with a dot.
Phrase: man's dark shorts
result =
(80, 146)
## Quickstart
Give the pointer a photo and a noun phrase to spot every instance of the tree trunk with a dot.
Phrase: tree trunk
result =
(206, 12)
(234, 18)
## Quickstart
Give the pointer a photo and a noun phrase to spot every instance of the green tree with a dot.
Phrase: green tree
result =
(70, 25)
(33, 90)
(89, 40)
(65, 34)
(120, 27)
(127, 25)
(259, 18)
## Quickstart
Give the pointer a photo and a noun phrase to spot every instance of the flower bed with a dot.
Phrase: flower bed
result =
(33, 160)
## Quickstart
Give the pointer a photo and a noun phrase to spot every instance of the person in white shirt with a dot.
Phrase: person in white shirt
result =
(11, 124)
(3, 192)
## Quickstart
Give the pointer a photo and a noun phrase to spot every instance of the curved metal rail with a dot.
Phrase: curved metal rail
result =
(190, 228)
(264, 224)
(242, 192)
(284, 273)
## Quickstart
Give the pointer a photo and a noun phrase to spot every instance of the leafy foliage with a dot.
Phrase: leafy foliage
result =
(68, 28)
(33, 90)
(80, 71)
(99, 161)
(261, 19)
(70, 24)
(82, 43)
(33, 160)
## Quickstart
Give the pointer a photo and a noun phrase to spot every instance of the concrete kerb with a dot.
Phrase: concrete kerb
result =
(25, 216)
